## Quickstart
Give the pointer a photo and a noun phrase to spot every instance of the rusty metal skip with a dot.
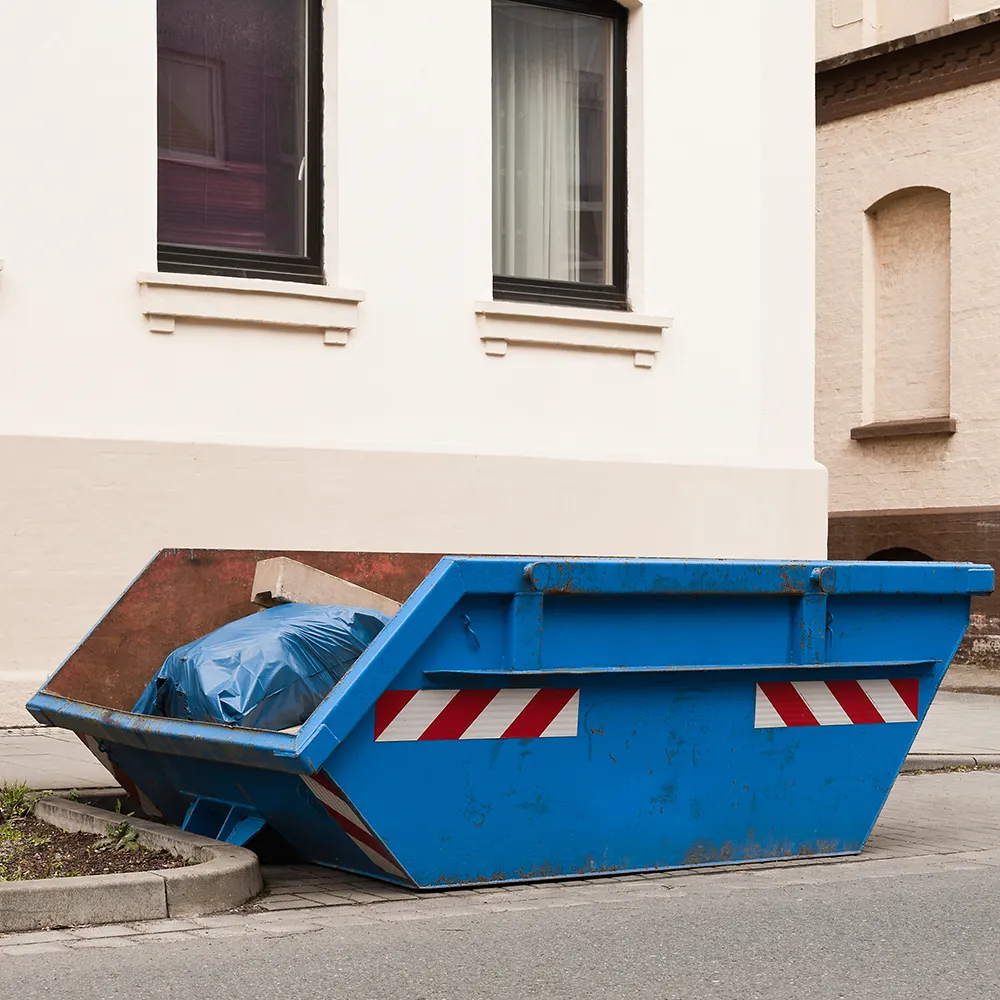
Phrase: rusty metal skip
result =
(524, 719)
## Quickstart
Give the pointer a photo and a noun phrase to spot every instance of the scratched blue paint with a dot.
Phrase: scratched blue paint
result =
(667, 769)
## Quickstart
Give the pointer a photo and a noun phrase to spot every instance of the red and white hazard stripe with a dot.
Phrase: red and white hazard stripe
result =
(347, 818)
(120, 776)
(836, 703)
(508, 714)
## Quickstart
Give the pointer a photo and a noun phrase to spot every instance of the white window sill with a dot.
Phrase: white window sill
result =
(282, 305)
(530, 324)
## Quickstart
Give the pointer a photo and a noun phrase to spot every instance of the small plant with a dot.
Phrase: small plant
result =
(73, 795)
(9, 834)
(16, 800)
(119, 837)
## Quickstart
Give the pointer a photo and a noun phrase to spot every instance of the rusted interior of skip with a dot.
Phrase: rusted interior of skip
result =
(186, 593)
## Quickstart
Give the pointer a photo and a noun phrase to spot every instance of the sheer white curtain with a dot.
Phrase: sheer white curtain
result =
(536, 143)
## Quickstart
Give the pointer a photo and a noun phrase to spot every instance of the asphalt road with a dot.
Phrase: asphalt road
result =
(927, 936)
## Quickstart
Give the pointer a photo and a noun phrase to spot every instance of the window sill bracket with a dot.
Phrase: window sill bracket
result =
(283, 305)
(505, 324)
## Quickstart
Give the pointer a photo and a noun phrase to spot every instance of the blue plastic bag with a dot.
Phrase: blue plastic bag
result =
(266, 671)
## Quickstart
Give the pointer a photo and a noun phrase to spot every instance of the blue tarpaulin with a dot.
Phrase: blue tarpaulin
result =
(266, 671)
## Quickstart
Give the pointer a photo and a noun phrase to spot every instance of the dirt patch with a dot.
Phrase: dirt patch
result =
(31, 848)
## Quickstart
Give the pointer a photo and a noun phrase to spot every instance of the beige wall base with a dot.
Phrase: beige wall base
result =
(80, 518)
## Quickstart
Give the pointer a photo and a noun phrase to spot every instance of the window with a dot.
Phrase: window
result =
(189, 109)
(239, 128)
(559, 152)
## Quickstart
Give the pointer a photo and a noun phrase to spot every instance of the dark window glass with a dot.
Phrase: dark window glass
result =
(238, 125)
(558, 151)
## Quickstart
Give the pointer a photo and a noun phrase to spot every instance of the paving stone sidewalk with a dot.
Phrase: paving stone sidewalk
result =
(49, 759)
(930, 822)
(960, 724)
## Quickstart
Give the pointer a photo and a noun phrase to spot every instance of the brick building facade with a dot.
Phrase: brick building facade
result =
(908, 299)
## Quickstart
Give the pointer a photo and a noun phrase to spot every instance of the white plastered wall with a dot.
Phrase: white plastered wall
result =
(119, 440)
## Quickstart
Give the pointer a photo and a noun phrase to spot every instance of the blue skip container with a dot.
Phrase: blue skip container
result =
(524, 719)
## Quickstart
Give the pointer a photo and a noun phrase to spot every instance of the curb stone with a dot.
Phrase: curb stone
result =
(944, 761)
(222, 877)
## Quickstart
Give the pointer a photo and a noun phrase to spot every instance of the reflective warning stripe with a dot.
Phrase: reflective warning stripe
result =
(347, 818)
(475, 714)
(836, 703)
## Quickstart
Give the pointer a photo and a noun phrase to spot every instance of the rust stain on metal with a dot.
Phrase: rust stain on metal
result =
(184, 594)
(831, 847)
(538, 873)
(709, 854)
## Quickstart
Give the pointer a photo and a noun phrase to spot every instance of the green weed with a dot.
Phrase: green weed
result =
(16, 800)
(119, 837)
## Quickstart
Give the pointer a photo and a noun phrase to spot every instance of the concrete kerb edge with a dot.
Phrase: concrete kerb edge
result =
(946, 761)
(223, 877)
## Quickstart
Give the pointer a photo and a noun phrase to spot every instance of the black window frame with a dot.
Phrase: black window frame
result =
(179, 258)
(579, 293)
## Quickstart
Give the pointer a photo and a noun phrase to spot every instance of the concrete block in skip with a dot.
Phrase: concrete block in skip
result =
(283, 580)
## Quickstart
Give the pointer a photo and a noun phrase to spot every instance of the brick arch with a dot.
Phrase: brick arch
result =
(899, 553)
(887, 199)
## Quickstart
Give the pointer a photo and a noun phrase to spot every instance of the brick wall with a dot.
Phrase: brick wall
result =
(949, 141)
(916, 117)
(950, 535)
(908, 327)
(908, 69)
